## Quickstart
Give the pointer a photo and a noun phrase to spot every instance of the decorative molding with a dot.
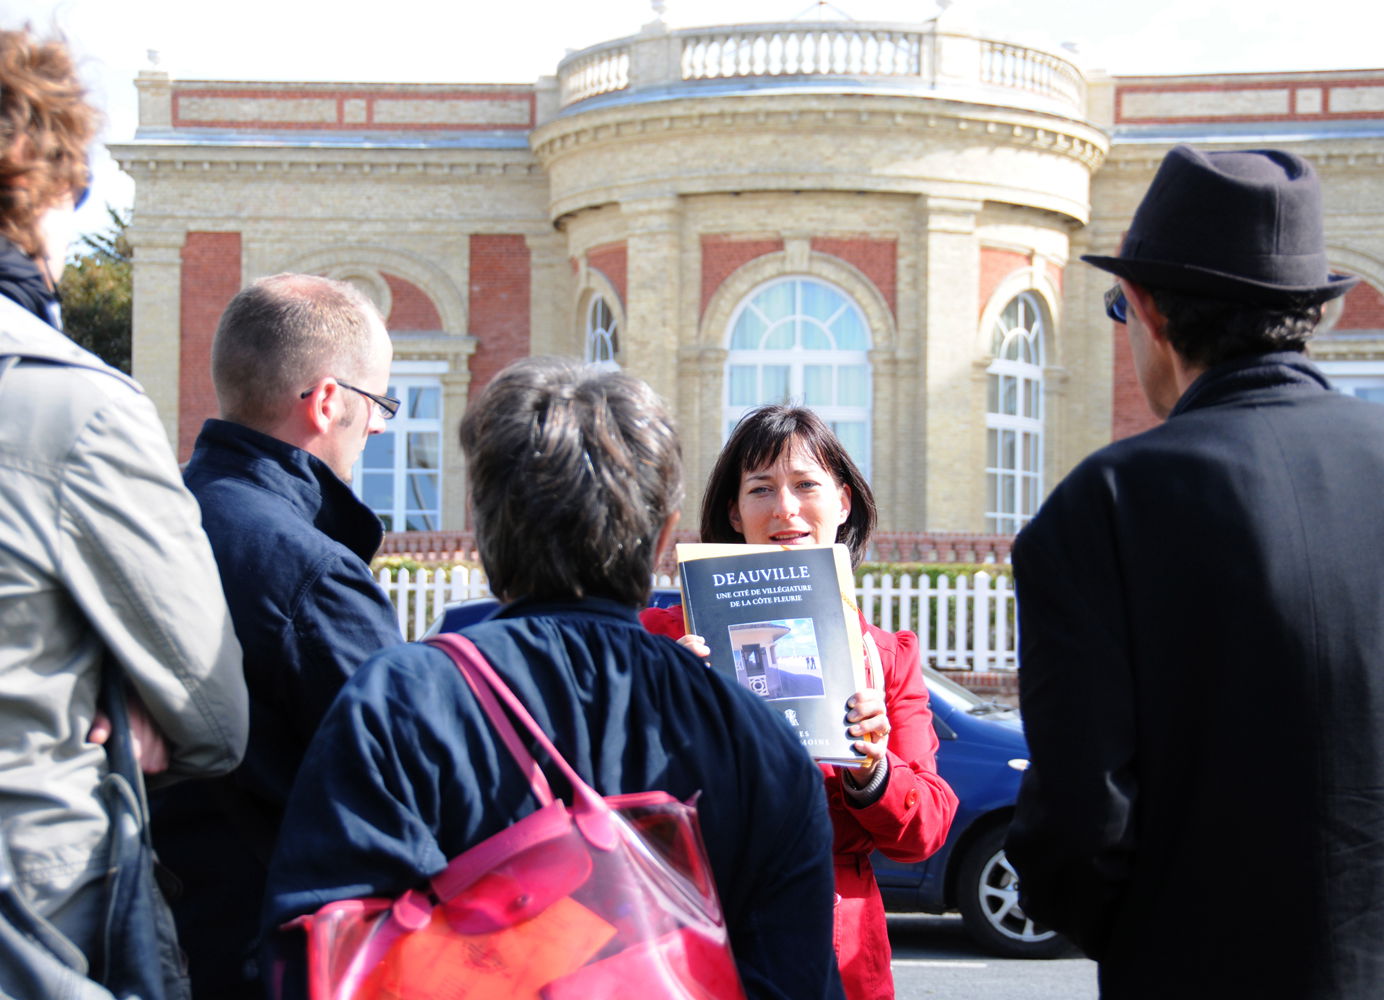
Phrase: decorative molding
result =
(1012, 126)
(453, 350)
(350, 260)
(742, 282)
(404, 163)
(296, 107)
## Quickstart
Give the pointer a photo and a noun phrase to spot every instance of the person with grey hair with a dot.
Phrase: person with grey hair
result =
(576, 479)
(300, 364)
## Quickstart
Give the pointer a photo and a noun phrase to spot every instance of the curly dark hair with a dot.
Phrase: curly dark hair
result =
(1207, 331)
(760, 437)
(573, 471)
(46, 126)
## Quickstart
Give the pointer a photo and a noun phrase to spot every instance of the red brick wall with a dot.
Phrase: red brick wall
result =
(722, 255)
(410, 309)
(1129, 410)
(877, 259)
(210, 279)
(1363, 309)
(499, 304)
(612, 260)
(350, 108)
(995, 266)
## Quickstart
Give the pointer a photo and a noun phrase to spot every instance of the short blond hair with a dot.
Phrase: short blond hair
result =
(281, 334)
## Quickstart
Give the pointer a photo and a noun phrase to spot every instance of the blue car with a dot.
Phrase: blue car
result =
(982, 755)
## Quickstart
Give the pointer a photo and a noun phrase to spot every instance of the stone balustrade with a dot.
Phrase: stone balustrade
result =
(916, 57)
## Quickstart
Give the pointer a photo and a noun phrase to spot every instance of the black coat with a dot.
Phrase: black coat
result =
(1202, 680)
(292, 544)
(406, 773)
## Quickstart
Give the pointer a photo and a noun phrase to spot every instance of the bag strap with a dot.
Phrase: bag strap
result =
(591, 812)
(462, 652)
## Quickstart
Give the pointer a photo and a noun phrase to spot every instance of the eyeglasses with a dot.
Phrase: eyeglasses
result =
(388, 405)
(1116, 305)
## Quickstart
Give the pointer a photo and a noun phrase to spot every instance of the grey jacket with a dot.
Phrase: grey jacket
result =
(101, 548)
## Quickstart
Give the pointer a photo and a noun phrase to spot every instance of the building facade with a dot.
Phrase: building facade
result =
(875, 219)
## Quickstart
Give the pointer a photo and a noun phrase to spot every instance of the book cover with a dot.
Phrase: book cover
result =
(782, 621)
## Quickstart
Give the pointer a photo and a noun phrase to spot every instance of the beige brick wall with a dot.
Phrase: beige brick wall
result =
(938, 183)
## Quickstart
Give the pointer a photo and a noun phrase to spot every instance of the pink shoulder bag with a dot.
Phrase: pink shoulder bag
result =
(608, 897)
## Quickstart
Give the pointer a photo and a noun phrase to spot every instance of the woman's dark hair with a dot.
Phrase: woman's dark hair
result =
(759, 439)
(573, 471)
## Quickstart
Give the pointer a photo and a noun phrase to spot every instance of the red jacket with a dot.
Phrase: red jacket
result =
(908, 822)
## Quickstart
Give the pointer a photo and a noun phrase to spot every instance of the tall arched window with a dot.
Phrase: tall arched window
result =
(1014, 415)
(602, 333)
(802, 341)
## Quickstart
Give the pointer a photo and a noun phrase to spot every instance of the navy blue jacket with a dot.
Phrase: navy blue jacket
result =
(406, 773)
(1202, 679)
(292, 544)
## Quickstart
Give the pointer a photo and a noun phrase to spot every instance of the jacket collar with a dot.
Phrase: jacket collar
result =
(22, 283)
(23, 335)
(227, 449)
(591, 607)
(1243, 377)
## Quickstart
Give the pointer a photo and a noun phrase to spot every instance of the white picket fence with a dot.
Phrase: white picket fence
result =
(968, 624)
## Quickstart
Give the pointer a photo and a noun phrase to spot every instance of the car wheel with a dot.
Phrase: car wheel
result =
(987, 892)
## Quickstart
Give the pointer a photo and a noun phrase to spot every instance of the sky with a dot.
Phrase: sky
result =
(517, 41)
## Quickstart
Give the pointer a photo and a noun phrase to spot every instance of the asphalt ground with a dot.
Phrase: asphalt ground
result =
(934, 959)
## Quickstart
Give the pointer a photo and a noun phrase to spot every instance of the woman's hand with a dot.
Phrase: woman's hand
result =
(148, 744)
(865, 713)
(696, 644)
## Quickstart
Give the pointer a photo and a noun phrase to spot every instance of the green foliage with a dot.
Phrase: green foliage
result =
(96, 293)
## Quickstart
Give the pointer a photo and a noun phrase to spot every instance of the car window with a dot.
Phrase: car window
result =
(948, 690)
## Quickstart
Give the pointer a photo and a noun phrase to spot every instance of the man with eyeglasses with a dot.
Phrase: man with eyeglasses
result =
(300, 365)
(1202, 659)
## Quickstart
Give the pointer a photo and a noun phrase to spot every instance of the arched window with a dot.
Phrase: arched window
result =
(802, 341)
(602, 333)
(1014, 415)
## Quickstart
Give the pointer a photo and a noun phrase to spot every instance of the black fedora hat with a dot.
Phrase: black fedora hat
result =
(1243, 226)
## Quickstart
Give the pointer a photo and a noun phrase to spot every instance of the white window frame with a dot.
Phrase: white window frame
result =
(410, 375)
(1350, 377)
(1014, 491)
(602, 342)
(798, 359)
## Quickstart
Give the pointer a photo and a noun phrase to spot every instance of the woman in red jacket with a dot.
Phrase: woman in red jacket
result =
(783, 478)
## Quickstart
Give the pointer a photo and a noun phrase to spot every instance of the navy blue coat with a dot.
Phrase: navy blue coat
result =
(1202, 680)
(406, 773)
(292, 544)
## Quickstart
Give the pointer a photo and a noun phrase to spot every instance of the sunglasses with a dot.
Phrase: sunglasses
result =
(388, 404)
(79, 195)
(1116, 305)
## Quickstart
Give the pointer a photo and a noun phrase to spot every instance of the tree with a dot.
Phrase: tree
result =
(96, 293)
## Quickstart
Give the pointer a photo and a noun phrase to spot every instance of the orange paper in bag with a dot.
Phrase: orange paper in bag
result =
(437, 963)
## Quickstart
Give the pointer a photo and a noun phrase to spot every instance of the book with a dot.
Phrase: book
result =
(782, 621)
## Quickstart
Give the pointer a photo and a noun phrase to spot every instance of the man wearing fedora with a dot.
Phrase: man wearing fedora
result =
(1202, 618)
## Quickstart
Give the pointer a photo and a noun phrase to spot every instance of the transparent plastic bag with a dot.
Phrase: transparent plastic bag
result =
(607, 898)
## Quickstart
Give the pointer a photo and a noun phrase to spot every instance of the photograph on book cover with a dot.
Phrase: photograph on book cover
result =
(778, 659)
(782, 622)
